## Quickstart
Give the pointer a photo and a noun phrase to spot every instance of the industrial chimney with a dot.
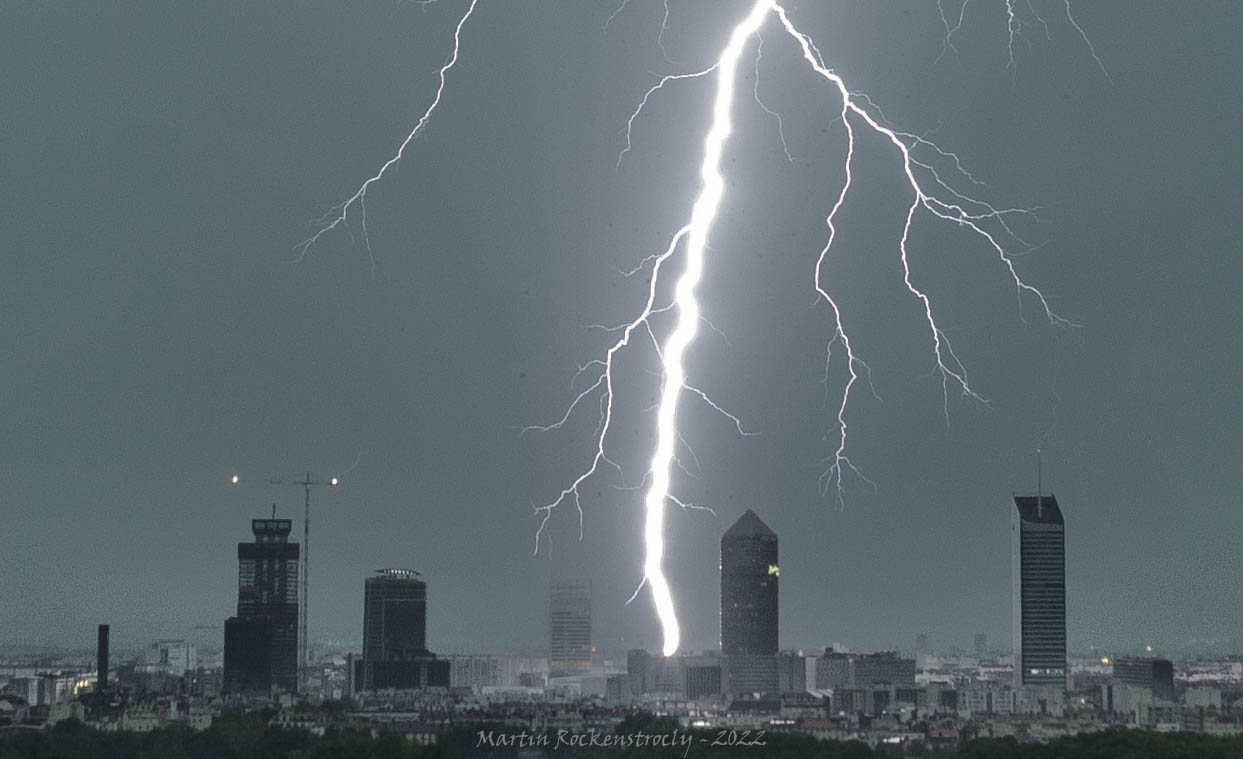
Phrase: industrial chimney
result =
(101, 663)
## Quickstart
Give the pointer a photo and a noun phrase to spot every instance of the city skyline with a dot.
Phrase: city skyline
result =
(271, 537)
(266, 564)
(162, 163)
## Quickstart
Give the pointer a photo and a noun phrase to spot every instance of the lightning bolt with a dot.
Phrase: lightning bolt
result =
(337, 216)
(703, 214)
(932, 192)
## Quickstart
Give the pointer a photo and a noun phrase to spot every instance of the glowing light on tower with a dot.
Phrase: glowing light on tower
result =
(928, 171)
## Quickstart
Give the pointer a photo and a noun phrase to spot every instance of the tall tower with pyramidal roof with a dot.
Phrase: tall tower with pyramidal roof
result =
(749, 577)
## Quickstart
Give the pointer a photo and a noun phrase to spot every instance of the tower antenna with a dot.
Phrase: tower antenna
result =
(1039, 492)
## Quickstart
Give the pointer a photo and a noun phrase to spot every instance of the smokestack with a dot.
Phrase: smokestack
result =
(101, 654)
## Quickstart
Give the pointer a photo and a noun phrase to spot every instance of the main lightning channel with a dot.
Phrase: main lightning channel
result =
(703, 215)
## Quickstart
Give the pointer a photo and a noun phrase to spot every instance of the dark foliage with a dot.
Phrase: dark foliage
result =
(1111, 744)
(247, 736)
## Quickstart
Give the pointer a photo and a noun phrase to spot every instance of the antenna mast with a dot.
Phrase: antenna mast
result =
(1039, 492)
(303, 643)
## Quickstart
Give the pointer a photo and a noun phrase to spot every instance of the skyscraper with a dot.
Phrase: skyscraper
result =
(1038, 592)
(261, 642)
(569, 627)
(749, 574)
(395, 651)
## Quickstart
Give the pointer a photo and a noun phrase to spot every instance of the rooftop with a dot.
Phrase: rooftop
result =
(749, 526)
(1039, 509)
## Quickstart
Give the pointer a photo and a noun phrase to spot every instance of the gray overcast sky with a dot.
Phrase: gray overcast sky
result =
(161, 160)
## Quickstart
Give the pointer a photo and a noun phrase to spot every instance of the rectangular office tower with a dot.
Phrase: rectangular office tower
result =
(395, 655)
(749, 575)
(569, 628)
(1038, 591)
(261, 642)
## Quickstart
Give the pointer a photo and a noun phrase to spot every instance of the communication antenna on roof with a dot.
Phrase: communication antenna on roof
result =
(1039, 493)
(274, 511)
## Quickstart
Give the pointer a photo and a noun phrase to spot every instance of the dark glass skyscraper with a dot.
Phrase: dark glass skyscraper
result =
(749, 575)
(569, 628)
(1038, 592)
(395, 651)
(261, 642)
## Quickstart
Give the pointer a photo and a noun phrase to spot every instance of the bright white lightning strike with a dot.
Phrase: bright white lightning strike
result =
(702, 216)
(930, 192)
(959, 208)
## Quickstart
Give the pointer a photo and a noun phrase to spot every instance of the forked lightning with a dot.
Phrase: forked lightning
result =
(930, 173)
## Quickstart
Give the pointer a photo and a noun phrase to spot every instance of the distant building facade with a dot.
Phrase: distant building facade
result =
(475, 671)
(749, 675)
(1157, 675)
(643, 670)
(836, 670)
(261, 642)
(492, 670)
(749, 581)
(569, 629)
(702, 677)
(169, 657)
(792, 672)
(883, 667)
(692, 677)
(1038, 592)
(395, 655)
